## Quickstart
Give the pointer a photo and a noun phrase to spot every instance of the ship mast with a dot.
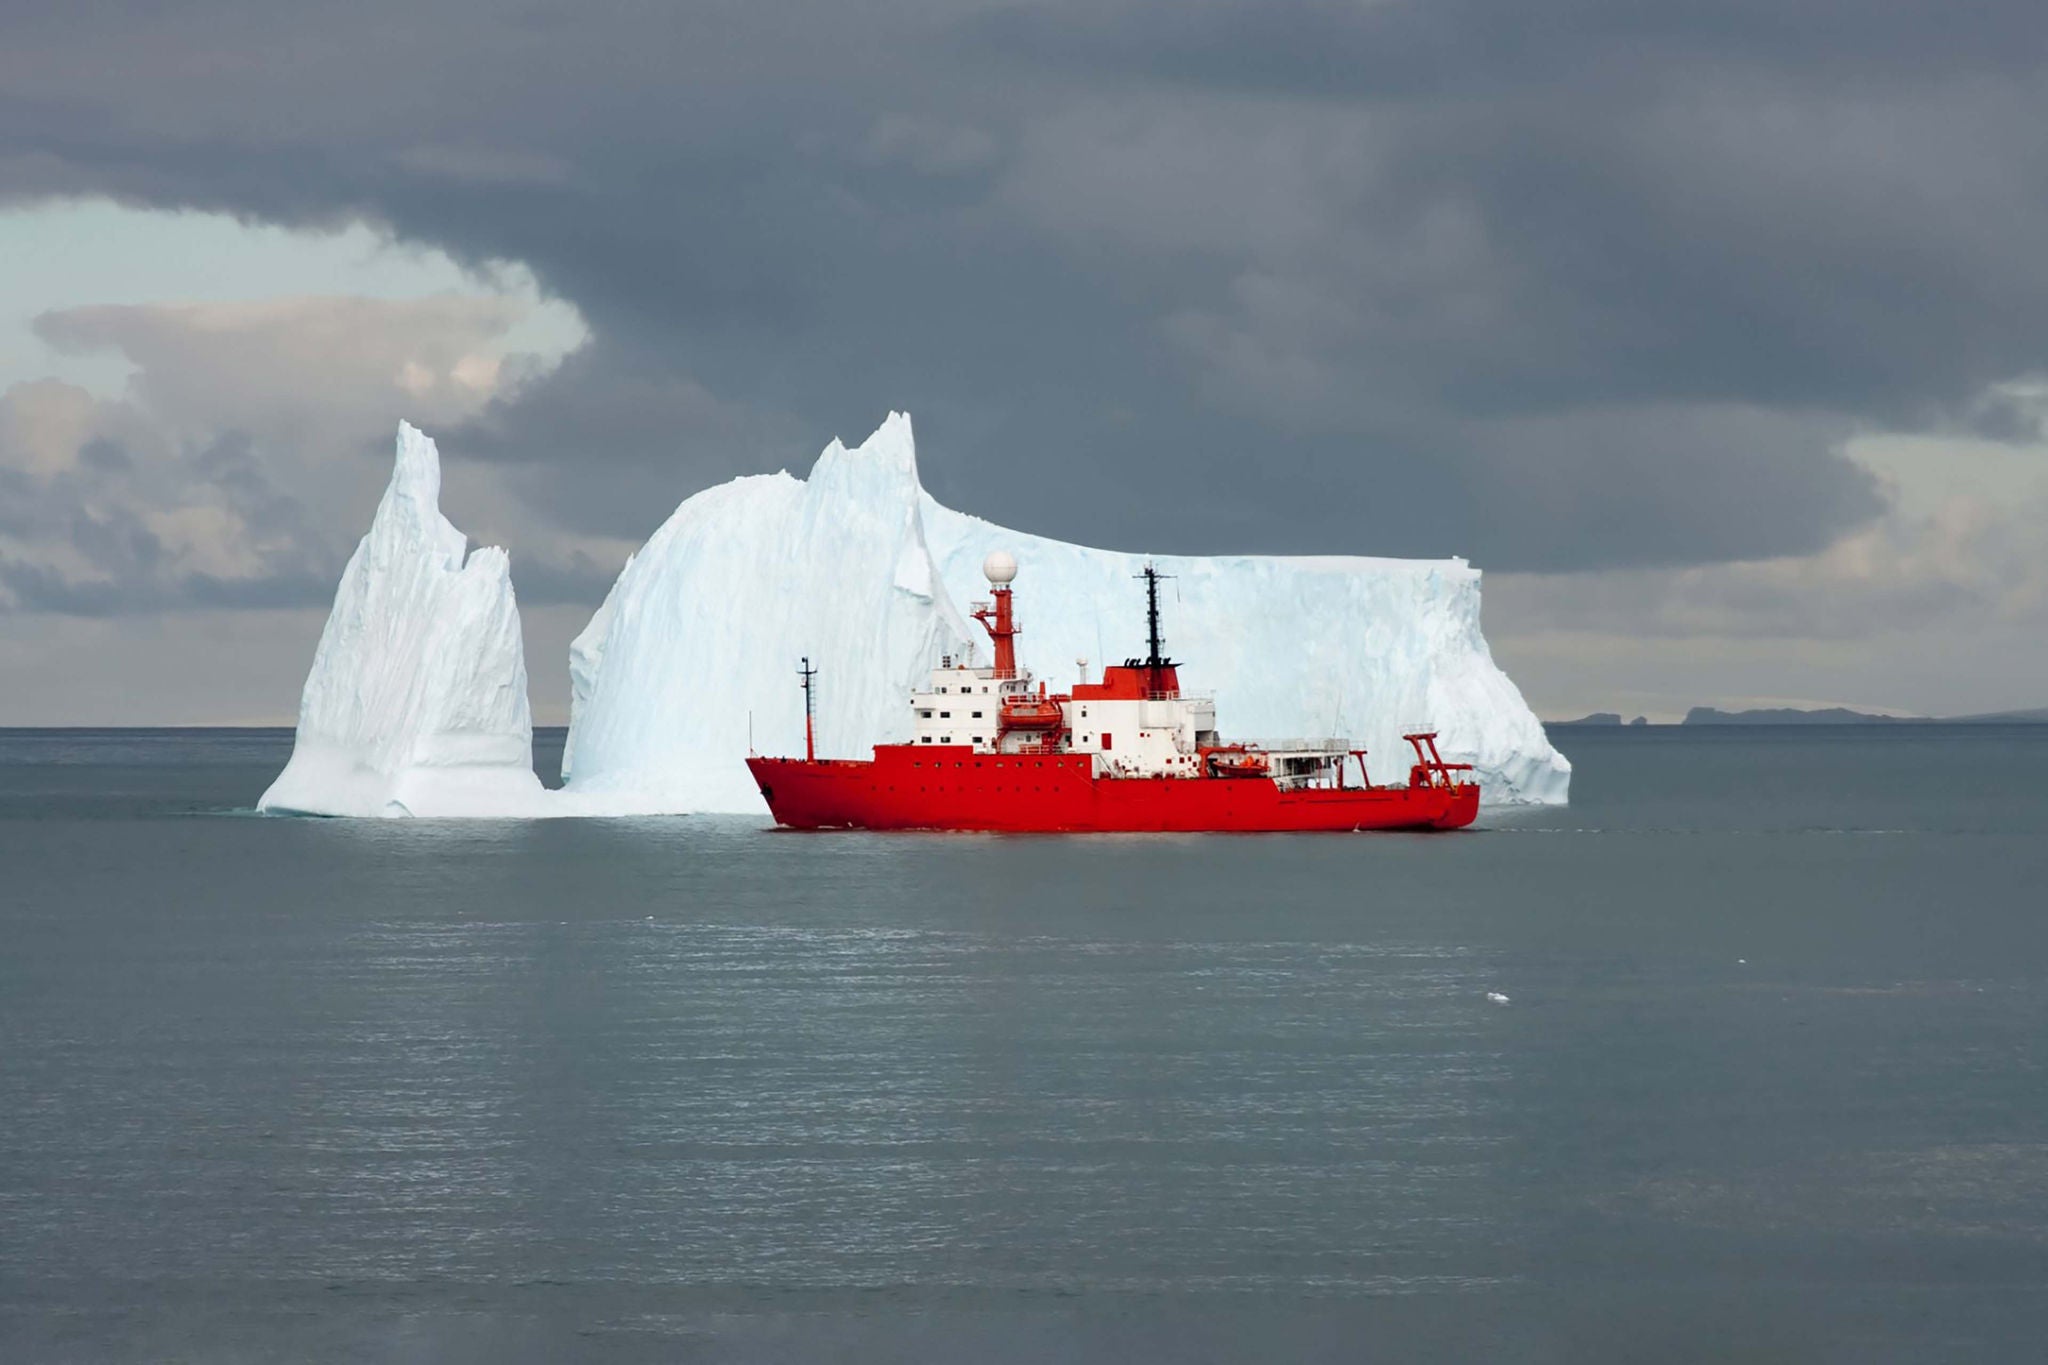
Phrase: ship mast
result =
(1155, 661)
(810, 745)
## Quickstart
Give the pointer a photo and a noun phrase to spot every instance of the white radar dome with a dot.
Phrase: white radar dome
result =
(999, 567)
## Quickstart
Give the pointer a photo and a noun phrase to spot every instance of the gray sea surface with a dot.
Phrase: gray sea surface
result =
(1767, 1083)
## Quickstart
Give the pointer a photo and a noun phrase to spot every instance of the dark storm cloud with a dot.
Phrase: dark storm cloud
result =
(1343, 47)
(1564, 286)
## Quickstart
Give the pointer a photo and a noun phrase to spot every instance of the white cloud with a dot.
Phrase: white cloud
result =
(278, 365)
(71, 253)
(245, 453)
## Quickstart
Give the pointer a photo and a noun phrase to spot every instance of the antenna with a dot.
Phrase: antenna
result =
(810, 744)
(1156, 659)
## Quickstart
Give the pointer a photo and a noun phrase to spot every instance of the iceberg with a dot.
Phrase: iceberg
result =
(692, 658)
(691, 661)
(416, 703)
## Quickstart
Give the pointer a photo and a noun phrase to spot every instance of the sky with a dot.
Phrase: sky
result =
(1715, 334)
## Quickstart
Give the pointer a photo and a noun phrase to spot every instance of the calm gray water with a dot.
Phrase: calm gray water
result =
(1769, 1085)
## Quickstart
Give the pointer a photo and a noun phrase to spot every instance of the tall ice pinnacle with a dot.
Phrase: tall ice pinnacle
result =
(416, 702)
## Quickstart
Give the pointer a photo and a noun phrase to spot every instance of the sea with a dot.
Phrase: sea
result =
(1740, 1056)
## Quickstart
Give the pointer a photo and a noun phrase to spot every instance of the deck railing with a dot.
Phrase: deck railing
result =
(1302, 746)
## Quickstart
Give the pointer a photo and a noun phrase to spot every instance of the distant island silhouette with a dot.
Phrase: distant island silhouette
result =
(1824, 715)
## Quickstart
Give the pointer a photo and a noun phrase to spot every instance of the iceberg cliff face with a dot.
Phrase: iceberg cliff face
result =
(694, 652)
(416, 703)
(696, 647)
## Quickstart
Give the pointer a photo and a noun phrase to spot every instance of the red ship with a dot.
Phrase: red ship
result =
(994, 751)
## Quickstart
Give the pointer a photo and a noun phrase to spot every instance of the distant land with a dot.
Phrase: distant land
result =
(1841, 715)
(1792, 715)
(1826, 715)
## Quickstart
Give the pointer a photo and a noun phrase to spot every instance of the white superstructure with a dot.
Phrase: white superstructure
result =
(1136, 722)
(961, 705)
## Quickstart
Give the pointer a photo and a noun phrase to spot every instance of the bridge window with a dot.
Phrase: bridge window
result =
(945, 715)
(977, 715)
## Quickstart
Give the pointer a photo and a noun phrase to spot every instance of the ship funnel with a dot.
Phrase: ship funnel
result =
(1000, 567)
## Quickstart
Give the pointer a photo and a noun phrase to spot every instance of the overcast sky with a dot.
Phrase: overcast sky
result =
(1714, 333)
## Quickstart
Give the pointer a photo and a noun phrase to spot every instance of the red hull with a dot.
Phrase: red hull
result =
(954, 787)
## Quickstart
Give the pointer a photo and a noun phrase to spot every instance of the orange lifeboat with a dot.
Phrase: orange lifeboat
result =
(1037, 714)
(1236, 761)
